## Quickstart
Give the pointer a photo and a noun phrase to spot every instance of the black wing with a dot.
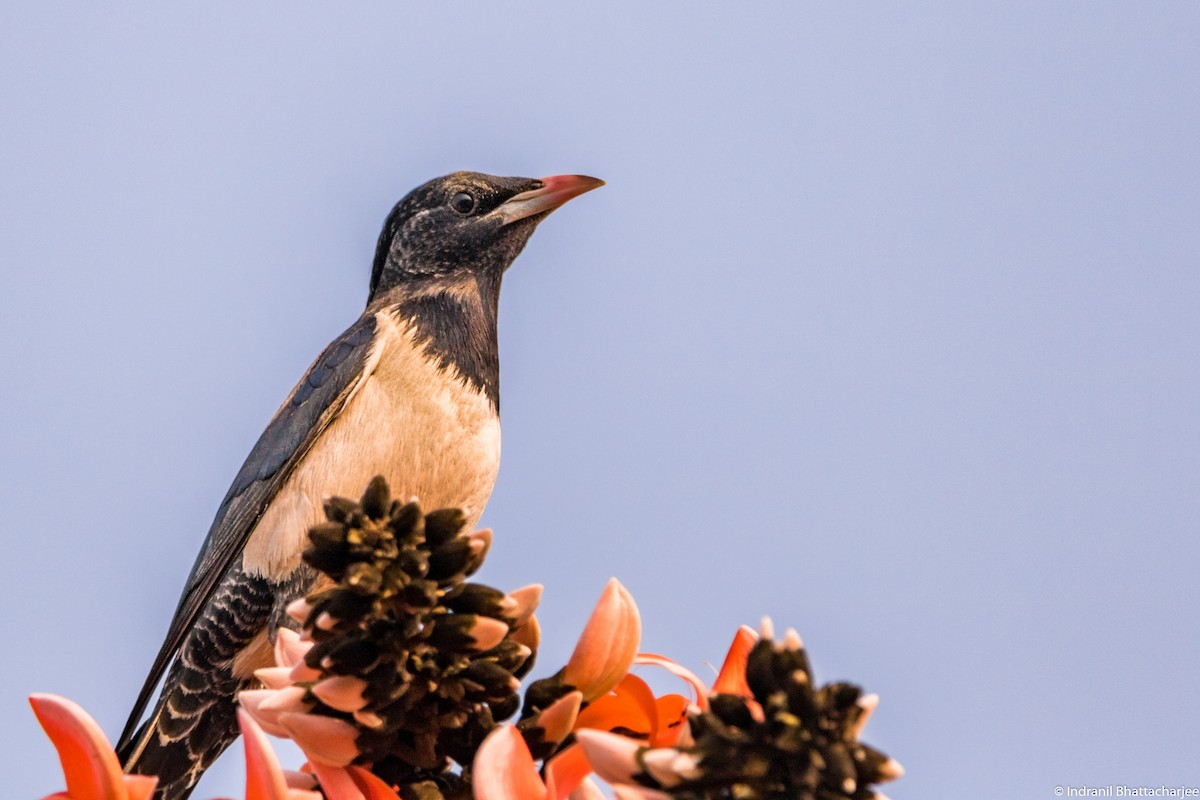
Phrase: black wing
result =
(315, 402)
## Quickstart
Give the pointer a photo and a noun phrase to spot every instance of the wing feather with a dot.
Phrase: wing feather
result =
(314, 403)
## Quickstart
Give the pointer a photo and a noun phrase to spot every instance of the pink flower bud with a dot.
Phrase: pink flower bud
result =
(529, 634)
(323, 739)
(488, 632)
(274, 677)
(522, 603)
(343, 692)
(289, 650)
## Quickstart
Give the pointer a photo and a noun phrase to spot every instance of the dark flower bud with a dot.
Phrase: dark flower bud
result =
(406, 521)
(416, 658)
(475, 598)
(377, 499)
(731, 709)
(443, 525)
(350, 657)
(450, 559)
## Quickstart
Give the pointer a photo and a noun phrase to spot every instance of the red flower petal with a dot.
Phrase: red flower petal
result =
(732, 677)
(504, 769)
(264, 777)
(89, 764)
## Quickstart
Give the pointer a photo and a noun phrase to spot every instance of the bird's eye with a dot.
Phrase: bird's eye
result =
(463, 203)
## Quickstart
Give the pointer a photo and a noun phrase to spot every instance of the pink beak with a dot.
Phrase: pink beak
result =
(554, 191)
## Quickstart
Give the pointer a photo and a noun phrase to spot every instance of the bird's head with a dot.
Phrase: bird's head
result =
(465, 225)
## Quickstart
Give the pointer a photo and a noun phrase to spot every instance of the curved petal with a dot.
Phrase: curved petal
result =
(89, 764)
(264, 777)
(299, 780)
(631, 706)
(336, 782)
(679, 671)
(613, 757)
(607, 645)
(140, 787)
(303, 673)
(284, 700)
(252, 701)
(588, 790)
(565, 772)
(371, 785)
(732, 677)
(504, 769)
(670, 720)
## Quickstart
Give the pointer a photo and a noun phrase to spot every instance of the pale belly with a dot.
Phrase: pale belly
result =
(431, 435)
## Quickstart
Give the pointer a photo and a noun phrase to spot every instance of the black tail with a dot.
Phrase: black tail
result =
(195, 718)
(193, 723)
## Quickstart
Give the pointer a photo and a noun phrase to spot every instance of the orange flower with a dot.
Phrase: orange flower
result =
(505, 770)
(89, 764)
(660, 721)
(93, 772)
(732, 677)
(632, 707)
(606, 647)
(767, 725)
(265, 780)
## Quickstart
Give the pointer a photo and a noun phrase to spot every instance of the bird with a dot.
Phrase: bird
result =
(409, 391)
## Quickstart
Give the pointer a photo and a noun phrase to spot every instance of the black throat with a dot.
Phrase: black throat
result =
(456, 324)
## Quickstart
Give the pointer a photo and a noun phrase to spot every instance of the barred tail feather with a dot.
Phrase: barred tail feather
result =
(195, 717)
(185, 734)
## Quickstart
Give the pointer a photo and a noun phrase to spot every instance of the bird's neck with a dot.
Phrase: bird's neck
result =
(455, 322)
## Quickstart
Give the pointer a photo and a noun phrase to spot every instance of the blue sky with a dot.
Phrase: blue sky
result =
(886, 325)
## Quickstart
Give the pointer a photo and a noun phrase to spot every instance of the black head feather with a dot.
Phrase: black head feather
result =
(443, 252)
(443, 228)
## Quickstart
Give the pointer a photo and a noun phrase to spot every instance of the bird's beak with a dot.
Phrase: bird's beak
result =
(554, 191)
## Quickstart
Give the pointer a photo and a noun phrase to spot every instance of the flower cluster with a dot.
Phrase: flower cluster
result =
(92, 771)
(402, 663)
(771, 734)
(397, 685)
(763, 731)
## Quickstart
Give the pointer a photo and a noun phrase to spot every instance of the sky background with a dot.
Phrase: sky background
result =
(886, 325)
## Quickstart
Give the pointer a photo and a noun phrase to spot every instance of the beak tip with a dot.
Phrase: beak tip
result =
(575, 183)
(552, 193)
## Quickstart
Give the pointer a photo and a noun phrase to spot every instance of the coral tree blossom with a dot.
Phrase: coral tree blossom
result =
(402, 671)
